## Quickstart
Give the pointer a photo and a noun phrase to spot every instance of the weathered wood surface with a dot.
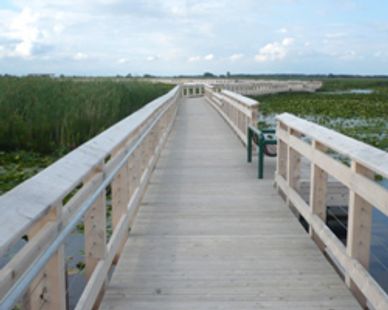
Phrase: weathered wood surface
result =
(364, 195)
(209, 235)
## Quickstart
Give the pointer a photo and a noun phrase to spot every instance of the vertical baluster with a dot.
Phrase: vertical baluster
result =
(120, 199)
(117, 202)
(281, 160)
(96, 239)
(131, 184)
(239, 125)
(359, 229)
(48, 290)
(293, 164)
(318, 189)
(95, 234)
(253, 122)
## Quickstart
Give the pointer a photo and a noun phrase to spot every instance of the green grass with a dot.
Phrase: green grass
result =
(344, 105)
(361, 116)
(41, 119)
(333, 84)
(47, 115)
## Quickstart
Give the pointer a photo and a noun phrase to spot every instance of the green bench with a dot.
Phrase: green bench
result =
(263, 139)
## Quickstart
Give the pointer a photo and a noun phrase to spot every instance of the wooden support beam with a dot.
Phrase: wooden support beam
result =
(48, 290)
(293, 166)
(359, 230)
(318, 190)
(95, 234)
(120, 199)
(281, 160)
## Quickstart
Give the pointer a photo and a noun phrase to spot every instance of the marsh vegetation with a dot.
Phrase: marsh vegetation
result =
(41, 119)
(339, 105)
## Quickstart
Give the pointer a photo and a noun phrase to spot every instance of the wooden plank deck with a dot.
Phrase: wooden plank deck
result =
(210, 235)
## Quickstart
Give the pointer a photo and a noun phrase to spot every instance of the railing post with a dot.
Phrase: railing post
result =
(253, 122)
(281, 159)
(95, 234)
(48, 290)
(120, 198)
(292, 166)
(131, 185)
(318, 189)
(249, 145)
(260, 172)
(359, 230)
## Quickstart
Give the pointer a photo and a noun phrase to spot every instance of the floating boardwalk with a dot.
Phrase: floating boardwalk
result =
(210, 235)
(205, 233)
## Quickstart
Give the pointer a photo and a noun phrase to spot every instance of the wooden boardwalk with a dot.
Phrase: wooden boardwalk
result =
(210, 235)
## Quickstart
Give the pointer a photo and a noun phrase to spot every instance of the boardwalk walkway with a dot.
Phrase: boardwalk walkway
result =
(209, 235)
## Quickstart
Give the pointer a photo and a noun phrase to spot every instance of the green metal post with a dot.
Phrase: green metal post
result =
(249, 145)
(261, 157)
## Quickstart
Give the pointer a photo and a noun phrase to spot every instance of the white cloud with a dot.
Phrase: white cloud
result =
(288, 41)
(197, 58)
(194, 58)
(152, 58)
(3, 52)
(209, 57)
(80, 56)
(235, 57)
(122, 60)
(23, 29)
(24, 48)
(283, 30)
(274, 51)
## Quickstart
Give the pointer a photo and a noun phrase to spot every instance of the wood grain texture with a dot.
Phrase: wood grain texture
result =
(210, 235)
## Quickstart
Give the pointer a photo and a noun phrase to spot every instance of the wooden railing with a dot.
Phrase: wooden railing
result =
(355, 165)
(111, 169)
(238, 111)
(192, 89)
(249, 86)
(270, 87)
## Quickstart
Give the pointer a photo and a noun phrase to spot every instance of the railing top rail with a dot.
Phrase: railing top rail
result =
(369, 156)
(28, 202)
(192, 84)
(240, 98)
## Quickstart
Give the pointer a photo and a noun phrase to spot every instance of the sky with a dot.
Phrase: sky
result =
(170, 37)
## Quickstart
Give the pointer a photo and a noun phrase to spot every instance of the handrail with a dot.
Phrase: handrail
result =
(240, 98)
(298, 137)
(33, 198)
(133, 146)
(371, 157)
(22, 285)
(238, 111)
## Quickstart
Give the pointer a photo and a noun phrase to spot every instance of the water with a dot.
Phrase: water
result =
(378, 266)
(378, 262)
(349, 91)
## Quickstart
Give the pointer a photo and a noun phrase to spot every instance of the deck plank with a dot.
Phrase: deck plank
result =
(210, 235)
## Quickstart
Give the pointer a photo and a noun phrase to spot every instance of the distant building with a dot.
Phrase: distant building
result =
(47, 75)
